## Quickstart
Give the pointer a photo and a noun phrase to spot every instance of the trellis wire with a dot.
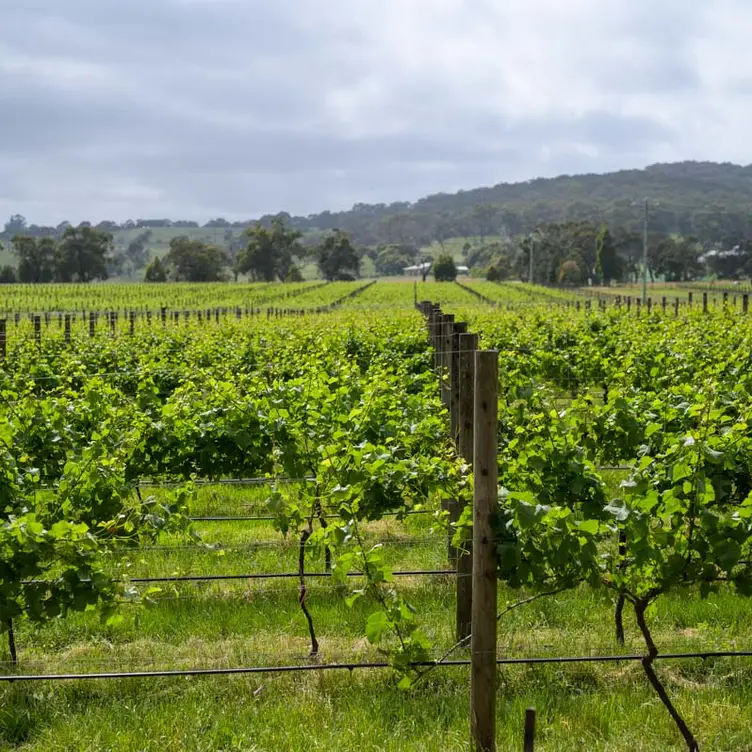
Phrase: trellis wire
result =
(365, 665)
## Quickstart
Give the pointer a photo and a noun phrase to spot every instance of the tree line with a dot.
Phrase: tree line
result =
(266, 254)
(706, 201)
(582, 252)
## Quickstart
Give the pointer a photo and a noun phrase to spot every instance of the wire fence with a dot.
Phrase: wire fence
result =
(283, 669)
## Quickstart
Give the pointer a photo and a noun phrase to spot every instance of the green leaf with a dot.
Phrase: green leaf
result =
(378, 623)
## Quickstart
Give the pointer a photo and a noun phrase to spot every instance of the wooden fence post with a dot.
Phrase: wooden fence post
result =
(445, 361)
(436, 324)
(745, 303)
(67, 328)
(3, 338)
(529, 741)
(38, 329)
(454, 379)
(485, 500)
(704, 302)
(92, 323)
(468, 346)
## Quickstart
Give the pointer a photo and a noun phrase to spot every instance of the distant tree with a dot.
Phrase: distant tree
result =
(8, 275)
(218, 222)
(733, 260)
(677, 259)
(108, 226)
(16, 225)
(194, 261)
(336, 257)
(485, 220)
(37, 258)
(570, 273)
(83, 254)
(392, 259)
(493, 275)
(500, 270)
(295, 275)
(608, 265)
(445, 270)
(137, 252)
(270, 252)
(155, 271)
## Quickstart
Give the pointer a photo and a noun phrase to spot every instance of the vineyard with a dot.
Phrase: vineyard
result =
(240, 516)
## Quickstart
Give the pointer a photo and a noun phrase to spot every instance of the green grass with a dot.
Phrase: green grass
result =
(246, 623)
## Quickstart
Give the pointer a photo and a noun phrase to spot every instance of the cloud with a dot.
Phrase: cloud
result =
(198, 108)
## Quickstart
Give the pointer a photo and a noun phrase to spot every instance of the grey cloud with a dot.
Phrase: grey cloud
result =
(220, 108)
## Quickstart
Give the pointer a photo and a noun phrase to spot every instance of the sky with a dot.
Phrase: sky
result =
(192, 109)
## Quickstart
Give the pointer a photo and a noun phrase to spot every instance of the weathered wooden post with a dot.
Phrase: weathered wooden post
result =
(529, 739)
(465, 446)
(485, 501)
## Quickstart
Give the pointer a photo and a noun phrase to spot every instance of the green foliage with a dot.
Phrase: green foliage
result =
(155, 271)
(193, 261)
(391, 259)
(82, 254)
(336, 258)
(444, 269)
(608, 264)
(8, 275)
(676, 259)
(570, 273)
(271, 251)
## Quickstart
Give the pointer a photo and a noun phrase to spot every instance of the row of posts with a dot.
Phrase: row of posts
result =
(468, 379)
(629, 301)
(111, 318)
(276, 295)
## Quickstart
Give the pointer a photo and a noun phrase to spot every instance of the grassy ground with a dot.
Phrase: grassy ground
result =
(247, 623)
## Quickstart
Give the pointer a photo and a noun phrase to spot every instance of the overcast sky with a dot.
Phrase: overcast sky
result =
(117, 109)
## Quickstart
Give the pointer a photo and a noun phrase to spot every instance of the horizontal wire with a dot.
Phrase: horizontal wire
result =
(262, 576)
(363, 665)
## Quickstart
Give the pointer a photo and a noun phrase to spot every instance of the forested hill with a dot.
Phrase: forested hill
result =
(701, 198)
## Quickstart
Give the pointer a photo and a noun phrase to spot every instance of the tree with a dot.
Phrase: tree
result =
(485, 220)
(445, 270)
(676, 259)
(500, 270)
(194, 261)
(570, 273)
(137, 252)
(608, 265)
(8, 275)
(270, 252)
(391, 259)
(16, 225)
(336, 258)
(36, 258)
(155, 271)
(83, 254)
